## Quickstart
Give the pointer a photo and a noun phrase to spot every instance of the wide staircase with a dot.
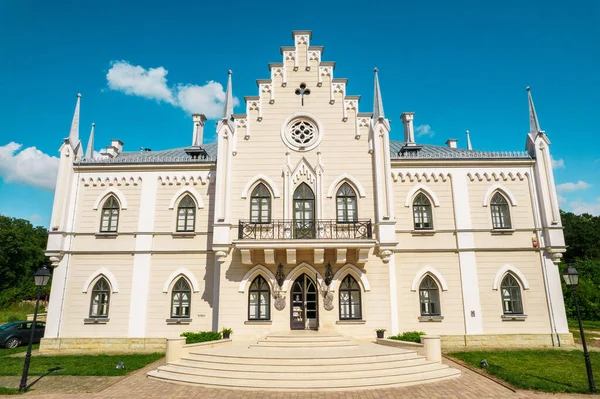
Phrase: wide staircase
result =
(303, 361)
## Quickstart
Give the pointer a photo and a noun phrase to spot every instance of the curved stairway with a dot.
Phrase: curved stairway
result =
(303, 361)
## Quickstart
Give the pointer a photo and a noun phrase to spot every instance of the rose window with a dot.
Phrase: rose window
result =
(303, 132)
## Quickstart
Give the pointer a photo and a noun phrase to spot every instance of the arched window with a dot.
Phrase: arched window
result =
(511, 295)
(260, 205)
(110, 215)
(259, 300)
(429, 294)
(346, 204)
(500, 212)
(180, 299)
(422, 212)
(350, 299)
(186, 214)
(100, 299)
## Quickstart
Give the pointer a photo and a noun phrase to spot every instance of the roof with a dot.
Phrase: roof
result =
(443, 152)
(179, 156)
(170, 156)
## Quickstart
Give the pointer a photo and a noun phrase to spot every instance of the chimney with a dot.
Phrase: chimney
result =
(409, 131)
(198, 133)
(451, 143)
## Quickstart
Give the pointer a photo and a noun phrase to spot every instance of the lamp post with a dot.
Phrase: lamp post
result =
(41, 277)
(571, 277)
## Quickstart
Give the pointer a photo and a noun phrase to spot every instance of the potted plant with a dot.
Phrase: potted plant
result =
(226, 332)
(380, 332)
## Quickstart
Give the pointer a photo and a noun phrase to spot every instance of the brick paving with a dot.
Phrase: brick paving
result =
(137, 386)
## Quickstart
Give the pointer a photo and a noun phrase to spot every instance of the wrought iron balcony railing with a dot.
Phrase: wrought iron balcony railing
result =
(303, 230)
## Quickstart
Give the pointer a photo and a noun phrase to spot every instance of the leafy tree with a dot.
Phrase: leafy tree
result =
(21, 254)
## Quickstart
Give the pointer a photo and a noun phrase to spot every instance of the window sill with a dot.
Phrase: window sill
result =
(514, 317)
(179, 321)
(96, 320)
(431, 318)
(350, 322)
(258, 322)
(424, 232)
(502, 231)
(183, 234)
(106, 235)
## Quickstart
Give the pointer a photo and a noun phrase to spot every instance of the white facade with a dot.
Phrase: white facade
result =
(304, 188)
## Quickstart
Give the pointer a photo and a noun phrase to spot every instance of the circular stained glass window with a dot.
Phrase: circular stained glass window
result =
(303, 132)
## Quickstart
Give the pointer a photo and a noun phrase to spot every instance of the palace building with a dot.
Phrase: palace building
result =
(304, 214)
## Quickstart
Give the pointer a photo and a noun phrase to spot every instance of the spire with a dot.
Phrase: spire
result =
(89, 152)
(534, 125)
(228, 108)
(469, 146)
(74, 133)
(377, 102)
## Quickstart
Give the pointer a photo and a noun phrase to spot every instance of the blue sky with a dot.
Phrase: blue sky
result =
(459, 65)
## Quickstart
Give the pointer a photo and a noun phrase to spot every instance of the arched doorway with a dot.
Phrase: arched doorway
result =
(305, 306)
(304, 212)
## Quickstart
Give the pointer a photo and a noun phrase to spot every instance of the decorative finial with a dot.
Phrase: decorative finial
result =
(79, 95)
(375, 70)
(229, 72)
(528, 88)
(93, 124)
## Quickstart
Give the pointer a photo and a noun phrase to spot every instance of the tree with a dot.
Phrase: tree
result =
(21, 254)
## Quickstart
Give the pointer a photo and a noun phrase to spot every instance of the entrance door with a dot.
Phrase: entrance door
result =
(304, 304)
(304, 212)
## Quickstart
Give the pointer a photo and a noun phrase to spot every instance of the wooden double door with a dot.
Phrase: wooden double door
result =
(304, 304)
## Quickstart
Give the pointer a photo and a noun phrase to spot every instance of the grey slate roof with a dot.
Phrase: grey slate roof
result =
(178, 155)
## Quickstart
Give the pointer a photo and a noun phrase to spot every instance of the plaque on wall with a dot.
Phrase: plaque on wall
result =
(328, 301)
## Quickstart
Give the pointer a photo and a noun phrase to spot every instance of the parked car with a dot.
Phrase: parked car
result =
(18, 332)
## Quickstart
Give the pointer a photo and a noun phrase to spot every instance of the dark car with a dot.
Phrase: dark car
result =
(18, 332)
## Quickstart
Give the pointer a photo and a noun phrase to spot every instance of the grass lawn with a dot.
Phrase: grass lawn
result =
(542, 370)
(8, 391)
(591, 325)
(18, 311)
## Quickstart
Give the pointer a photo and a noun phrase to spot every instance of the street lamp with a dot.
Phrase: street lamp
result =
(571, 277)
(41, 277)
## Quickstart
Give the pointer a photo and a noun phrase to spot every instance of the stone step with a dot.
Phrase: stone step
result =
(330, 384)
(338, 338)
(308, 345)
(277, 357)
(301, 373)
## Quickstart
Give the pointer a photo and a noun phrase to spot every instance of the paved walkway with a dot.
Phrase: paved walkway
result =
(137, 386)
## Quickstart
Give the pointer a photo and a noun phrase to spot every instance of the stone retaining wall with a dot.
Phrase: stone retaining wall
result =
(102, 345)
(505, 341)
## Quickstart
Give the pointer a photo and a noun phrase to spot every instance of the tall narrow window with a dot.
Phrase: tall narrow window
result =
(430, 297)
(259, 300)
(260, 205)
(350, 299)
(186, 214)
(180, 299)
(422, 213)
(110, 215)
(346, 204)
(500, 212)
(100, 299)
(511, 295)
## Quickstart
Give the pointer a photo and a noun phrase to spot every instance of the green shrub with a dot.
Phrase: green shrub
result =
(204, 336)
(13, 317)
(409, 336)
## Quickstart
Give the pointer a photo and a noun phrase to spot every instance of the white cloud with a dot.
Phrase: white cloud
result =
(578, 207)
(35, 218)
(557, 163)
(30, 166)
(151, 83)
(562, 200)
(424, 131)
(568, 187)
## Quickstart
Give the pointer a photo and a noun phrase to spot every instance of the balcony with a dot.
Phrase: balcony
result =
(305, 230)
(350, 241)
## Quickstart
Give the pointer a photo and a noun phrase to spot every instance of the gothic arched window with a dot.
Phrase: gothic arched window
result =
(186, 214)
(110, 215)
(350, 299)
(259, 300)
(422, 213)
(346, 204)
(100, 299)
(500, 212)
(180, 299)
(511, 296)
(429, 294)
(260, 204)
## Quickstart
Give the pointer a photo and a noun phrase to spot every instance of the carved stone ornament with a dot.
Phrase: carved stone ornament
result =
(385, 255)
(328, 301)
(279, 301)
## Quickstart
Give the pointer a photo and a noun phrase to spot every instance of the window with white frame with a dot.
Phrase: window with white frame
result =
(422, 214)
(346, 204)
(180, 299)
(100, 299)
(259, 300)
(186, 214)
(260, 204)
(429, 294)
(110, 215)
(350, 305)
(511, 296)
(500, 212)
